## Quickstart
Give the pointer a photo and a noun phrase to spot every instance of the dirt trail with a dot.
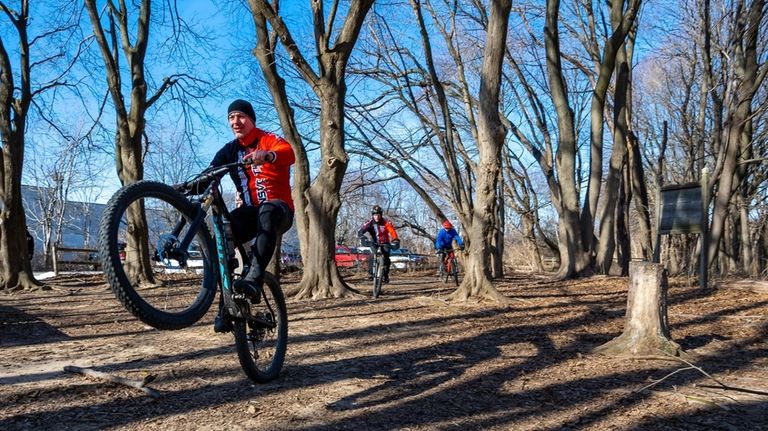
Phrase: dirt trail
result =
(408, 360)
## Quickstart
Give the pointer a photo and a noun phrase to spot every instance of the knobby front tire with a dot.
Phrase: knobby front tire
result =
(378, 276)
(163, 295)
(447, 272)
(261, 342)
(455, 271)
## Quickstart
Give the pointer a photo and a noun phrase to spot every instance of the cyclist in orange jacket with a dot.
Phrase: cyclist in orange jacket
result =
(383, 233)
(264, 203)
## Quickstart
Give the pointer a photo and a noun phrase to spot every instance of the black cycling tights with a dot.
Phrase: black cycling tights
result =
(262, 224)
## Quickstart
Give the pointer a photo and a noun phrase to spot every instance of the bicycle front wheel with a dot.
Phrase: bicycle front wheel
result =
(447, 272)
(262, 338)
(455, 270)
(378, 276)
(138, 238)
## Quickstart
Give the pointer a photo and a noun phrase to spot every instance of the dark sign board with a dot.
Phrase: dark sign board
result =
(681, 209)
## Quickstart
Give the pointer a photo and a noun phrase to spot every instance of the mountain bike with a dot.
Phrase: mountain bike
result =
(449, 266)
(164, 265)
(377, 262)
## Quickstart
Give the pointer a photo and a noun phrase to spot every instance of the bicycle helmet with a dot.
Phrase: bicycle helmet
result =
(376, 210)
(447, 225)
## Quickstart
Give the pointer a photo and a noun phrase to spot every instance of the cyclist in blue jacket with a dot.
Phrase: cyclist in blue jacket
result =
(444, 240)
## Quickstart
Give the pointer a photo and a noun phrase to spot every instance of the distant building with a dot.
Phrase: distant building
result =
(80, 224)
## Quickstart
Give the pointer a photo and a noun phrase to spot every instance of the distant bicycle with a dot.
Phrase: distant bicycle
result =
(164, 266)
(377, 269)
(449, 266)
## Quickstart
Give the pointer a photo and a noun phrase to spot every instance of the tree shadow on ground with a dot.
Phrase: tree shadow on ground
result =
(19, 328)
(476, 379)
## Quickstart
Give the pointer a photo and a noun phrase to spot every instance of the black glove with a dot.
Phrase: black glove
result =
(396, 244)
(365, 242)
(461, 248)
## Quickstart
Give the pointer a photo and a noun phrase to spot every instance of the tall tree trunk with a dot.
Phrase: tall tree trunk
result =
(623, 236)
(15, 269)
(748, 78)
(607, 244)
(321, 277)
(497, 234)
(129, 119)
(621, 24)
(527, 224)
(747, 254)
(574, 258)
(640, 197)
(491, 133)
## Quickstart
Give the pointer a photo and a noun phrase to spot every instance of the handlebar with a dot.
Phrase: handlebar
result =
(213, 172)
(447, 250)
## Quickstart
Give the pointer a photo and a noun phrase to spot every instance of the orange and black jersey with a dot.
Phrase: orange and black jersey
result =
(260, 183)
(383, 231)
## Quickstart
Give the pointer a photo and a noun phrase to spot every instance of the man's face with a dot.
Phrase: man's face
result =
(241, 124)
(377, 217)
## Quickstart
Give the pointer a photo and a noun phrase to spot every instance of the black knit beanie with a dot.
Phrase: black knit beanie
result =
(246, 108)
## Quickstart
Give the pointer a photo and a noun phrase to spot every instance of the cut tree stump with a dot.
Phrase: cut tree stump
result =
(646, 331)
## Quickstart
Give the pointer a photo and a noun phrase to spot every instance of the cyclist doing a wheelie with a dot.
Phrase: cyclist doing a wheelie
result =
(264, 204)
(382, 233)
(444, 241)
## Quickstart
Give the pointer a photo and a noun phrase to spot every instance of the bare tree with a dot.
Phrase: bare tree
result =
(117, 41)
(749, 74)
(574, 257)
(17, 95)
(53, 174)
(615, 179)
(491, 135)
(622, 15)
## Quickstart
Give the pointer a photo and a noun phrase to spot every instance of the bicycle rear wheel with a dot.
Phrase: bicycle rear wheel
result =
(164, 293)
(378, 275)
(262, 338)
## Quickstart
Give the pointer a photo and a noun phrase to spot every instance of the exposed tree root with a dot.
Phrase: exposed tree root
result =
(632, 343)
(27, 283)
(480, 290)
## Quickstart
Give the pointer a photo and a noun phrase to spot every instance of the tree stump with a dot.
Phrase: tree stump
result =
(646, 331)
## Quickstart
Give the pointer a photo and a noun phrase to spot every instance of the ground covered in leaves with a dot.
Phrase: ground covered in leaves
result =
(408, 360)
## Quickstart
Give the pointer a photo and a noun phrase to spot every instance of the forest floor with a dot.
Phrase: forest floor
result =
(408, 360)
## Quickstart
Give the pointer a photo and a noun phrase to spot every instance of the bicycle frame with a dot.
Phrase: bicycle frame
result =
(211, 200)
(450, 257)
(449, 265)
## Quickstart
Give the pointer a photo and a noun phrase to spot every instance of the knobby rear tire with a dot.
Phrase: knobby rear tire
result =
(263, 361)
(184, 312)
